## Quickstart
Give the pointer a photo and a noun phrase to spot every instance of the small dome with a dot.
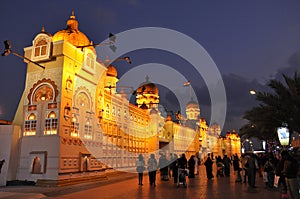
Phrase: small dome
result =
(111, 71)
(72, 34)
(192, 104)
(148, 87)
(169, 118)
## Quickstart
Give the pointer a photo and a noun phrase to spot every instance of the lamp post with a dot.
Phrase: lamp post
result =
(8, 51)
(111, 38)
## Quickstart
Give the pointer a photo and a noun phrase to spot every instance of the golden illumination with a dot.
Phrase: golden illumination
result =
(52, 114)
(31, 116)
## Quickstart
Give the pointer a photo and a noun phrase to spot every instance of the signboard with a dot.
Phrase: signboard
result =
(283, 135)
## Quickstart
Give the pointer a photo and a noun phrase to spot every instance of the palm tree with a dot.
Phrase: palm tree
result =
(281, 106)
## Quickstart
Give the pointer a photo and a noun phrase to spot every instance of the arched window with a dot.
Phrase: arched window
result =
(90, 61)
(51, 124)
(74, 127)
(43, 93)
(88, 129)
(30, 125)
(41, 47)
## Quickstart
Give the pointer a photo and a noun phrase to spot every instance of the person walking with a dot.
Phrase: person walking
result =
(281, 182)
(140, 168)
(208, 165)
(244, 160)
(152, 167)
(290, 171)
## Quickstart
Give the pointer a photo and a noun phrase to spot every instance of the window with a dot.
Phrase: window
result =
(51, 124)
(107, 110)
(88, 129)
(90, 61)
(74, 127)
(40, 48)
(30, 125)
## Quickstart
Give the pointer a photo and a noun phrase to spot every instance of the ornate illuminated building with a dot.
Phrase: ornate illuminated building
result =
(71, 122)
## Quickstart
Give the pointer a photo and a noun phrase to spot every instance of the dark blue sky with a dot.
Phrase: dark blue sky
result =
(248, 40)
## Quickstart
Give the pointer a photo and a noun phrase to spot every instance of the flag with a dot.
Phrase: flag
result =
(188, 83)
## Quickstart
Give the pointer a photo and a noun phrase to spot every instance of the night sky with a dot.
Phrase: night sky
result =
(249, 41)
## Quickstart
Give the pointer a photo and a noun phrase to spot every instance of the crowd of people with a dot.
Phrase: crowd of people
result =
(279, 171)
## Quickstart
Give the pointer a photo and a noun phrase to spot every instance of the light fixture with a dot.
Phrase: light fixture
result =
(8, 50)
(252, 92)
(111, 38)
(127, 59)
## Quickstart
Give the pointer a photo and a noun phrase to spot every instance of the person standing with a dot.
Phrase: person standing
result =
(140, 168)
(290, 171)
(191, 164)
(196, 164)
(163, 166)
(208, 165)
(227, 163)
(237, 168)
(152, 167)
(175, 168)
(252, 168)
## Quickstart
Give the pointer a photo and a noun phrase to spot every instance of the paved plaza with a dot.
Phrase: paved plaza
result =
(126, 186)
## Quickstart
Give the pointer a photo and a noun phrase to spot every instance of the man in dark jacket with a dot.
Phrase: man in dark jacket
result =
(290, 171)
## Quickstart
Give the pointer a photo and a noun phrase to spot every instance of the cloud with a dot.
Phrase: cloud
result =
(106, 15)
(293, 63)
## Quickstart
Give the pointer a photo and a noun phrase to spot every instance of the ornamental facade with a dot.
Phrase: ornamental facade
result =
(71, 123)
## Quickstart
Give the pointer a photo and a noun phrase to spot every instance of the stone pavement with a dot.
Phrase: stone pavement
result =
(125, 186)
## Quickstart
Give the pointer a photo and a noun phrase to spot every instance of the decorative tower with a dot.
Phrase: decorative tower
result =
(192, 110)
(58, 109)
(147, 95)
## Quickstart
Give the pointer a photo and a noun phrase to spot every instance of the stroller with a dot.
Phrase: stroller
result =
(220, 169)
(181, 178)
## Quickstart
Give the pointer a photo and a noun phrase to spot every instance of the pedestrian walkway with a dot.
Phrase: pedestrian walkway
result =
(126, 186)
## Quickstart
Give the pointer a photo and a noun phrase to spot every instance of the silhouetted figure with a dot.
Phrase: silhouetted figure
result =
(227, 163)
(152, 167)
(290, 170)
(174, 167)
(191, 164)
(208, 165)
(1, 164)
(163, 167)
(252, 168)
(140, 168)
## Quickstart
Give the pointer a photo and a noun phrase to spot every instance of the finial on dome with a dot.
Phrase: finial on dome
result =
(72, 15)
(43, 29)
(147, 78)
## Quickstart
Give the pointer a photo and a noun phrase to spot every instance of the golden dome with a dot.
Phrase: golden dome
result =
(192, 104)
(148, 88)
(111, 71)
(72, 34)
